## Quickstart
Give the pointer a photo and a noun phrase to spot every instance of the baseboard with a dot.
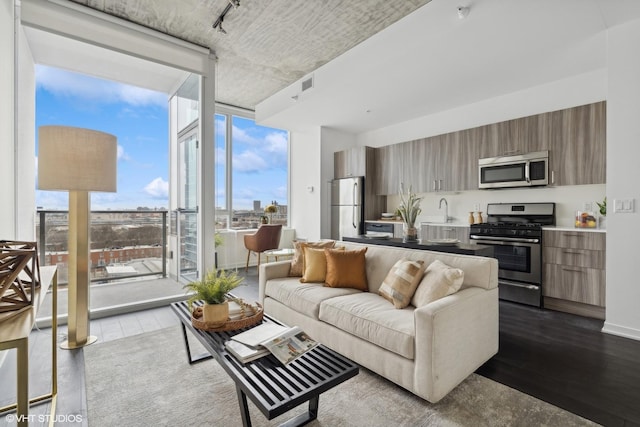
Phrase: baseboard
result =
(621, 331)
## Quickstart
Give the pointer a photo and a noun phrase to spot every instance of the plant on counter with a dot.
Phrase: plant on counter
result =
(409, 210)
(603, 207)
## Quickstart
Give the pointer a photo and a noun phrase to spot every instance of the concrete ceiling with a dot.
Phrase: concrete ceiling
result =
(269, 44)
(374, 62)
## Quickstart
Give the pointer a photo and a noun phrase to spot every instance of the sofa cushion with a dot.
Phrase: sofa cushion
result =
(369, 316)
(401, 282)
(302, 297)
(346, 269)
(439, 281)
(297, 262)
(315, 265)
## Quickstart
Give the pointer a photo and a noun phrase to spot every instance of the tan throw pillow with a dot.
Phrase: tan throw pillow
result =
(297, 262)
(315, 265)
(439, 281)
(346, 269)
(401, 282)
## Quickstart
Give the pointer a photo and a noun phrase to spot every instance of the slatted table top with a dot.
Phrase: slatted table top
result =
(273, 387)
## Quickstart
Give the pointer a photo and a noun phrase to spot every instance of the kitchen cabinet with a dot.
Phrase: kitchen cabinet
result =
(350, 163)
(389, 169)
(580, 157)
(509, 138)
(575, 138)
(574, 271)
(446, 162)
(362, 161)
(444, 231)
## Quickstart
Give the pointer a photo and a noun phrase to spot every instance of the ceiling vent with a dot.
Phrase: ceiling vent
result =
(307, 84)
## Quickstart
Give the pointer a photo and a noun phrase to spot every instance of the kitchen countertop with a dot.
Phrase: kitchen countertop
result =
(581, 230)
(458, 248)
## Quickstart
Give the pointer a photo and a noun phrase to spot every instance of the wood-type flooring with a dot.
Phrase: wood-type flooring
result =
(566, 360)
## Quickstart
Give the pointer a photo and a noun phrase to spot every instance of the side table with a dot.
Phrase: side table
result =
(14, 333)
(285, 252)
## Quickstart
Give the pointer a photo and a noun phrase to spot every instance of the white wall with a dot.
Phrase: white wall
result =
(26, 146)
(579, 90)
(7, 195)
(623, 178)
(305, 171)
(332, 140)
(568, 199)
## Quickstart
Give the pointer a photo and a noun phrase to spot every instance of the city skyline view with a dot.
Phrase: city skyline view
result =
(138, 118)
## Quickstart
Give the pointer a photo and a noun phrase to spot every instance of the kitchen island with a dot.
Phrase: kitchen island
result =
(456, 248)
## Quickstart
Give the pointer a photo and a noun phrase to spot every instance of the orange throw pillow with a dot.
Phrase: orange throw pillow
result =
(346, 269)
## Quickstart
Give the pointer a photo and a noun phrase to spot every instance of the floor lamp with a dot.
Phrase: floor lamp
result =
(77, 160)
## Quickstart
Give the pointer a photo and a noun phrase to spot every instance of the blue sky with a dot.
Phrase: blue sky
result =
(139, 119)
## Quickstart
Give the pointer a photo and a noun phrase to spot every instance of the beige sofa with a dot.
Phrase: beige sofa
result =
(428, 351)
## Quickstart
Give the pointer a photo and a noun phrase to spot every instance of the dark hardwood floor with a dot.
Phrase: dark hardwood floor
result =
(567, 361)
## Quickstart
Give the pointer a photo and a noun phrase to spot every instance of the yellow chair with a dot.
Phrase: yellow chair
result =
(267, 237)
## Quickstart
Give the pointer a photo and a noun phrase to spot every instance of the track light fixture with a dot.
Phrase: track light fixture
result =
(218, 24)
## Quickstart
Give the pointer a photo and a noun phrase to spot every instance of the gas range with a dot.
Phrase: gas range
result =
(515, 232)
(507, 229)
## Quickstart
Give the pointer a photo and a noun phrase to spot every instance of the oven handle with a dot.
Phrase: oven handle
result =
(519, 285)
(503, 240)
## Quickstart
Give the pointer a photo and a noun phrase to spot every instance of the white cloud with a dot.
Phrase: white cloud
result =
(65, 83)
(242, 136)
(157, 189)
(122, 155)
(249, 161)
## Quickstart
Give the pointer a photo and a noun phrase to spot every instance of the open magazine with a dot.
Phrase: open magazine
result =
(286, 344)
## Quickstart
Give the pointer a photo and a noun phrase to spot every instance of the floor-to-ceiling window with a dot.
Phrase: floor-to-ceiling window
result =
(251, 173)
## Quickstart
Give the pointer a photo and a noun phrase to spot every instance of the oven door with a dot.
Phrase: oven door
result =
(519, 267)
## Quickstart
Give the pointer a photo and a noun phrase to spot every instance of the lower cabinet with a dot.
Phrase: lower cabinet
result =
(574, 272)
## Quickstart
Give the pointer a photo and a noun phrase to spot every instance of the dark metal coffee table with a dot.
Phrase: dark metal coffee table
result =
(274, 388)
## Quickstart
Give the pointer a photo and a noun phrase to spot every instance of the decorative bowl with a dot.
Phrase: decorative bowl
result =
(388, 215)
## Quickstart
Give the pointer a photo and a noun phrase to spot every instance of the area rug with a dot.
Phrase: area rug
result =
(145, 380)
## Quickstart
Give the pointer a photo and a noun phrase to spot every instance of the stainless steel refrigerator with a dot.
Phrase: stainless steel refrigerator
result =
(347, 207)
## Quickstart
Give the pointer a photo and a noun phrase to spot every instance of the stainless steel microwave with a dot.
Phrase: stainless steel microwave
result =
(525, 170)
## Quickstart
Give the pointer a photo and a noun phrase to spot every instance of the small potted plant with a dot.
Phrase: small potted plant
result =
(603, 212)
(213, 289)
(409, 210)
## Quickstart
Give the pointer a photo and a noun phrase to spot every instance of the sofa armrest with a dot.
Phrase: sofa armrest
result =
(454, 336)
(271, 270)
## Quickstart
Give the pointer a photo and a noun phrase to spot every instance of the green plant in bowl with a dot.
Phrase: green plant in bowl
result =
(213, 289)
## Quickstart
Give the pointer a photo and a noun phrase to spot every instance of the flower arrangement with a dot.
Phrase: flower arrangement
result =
(409, 206)
(270, 210)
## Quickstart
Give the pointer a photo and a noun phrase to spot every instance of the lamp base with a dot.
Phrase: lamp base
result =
(68, 345)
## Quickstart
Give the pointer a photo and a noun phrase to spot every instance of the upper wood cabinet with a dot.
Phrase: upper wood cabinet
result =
(362, 161)
(575, 139)
(441, 163)
(349, 163)
(580, 157)
(389, 169)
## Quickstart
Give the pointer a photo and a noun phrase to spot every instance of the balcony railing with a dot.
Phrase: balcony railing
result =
(125, 244)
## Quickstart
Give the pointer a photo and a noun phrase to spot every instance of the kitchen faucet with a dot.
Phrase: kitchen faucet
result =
(446, 208)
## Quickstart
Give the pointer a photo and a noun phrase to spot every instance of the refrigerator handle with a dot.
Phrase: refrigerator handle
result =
(353, 211)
